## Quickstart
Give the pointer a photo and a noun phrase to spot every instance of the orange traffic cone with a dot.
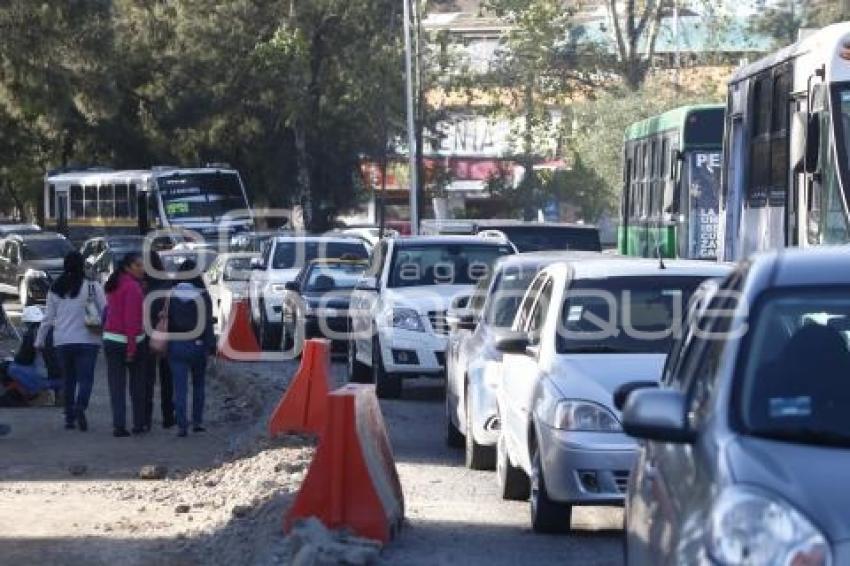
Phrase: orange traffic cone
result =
(238, 342)
(352, 482)
(304, 406)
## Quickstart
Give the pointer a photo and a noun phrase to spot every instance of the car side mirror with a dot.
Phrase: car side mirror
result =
(257, 263)
(292, 286)
(657, 414)
(514, 343)
(621, 394)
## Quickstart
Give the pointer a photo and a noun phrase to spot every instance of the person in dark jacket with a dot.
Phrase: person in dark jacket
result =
(157, 282)
(190, 313)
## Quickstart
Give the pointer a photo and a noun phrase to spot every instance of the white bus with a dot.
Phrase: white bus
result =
(208, 200)
(786, 177)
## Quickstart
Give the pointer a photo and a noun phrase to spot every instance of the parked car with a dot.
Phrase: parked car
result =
(227, 280)
(279, 263)
(9, 228)
(583, 329)
(526, 236)
(473, 365)
(744, 450)
(252, 241)
(369, 232)
(399, 325)
(316, 303)
(30, 262)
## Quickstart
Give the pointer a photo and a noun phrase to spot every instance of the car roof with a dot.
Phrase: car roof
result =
(544, 258)
(494, 223)
(612, 266)
(36, 236)
(405, 241)
(327, 239)
(331, 260)
(822, 265)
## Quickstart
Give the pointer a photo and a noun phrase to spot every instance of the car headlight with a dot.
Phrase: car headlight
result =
(407, 319)
(584, 416)
(749, 527)
(35, 274)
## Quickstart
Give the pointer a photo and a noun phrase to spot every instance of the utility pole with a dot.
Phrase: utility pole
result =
(411, 129)
(420, 108)
(676, 59)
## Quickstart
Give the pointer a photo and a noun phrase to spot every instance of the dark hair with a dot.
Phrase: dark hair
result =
(73, 273)
(112, 283)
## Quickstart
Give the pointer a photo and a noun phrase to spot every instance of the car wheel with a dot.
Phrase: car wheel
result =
(387, 385)
(23, 294)
(478, 456)
(513, 482)
(357, 372)
(454, 439)
(547, 516)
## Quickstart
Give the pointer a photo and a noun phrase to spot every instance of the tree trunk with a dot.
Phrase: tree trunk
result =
(304, 174)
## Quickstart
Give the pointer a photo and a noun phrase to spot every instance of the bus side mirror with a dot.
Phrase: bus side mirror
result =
(812, 143)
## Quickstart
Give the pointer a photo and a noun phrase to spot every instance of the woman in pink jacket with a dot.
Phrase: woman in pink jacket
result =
(123, 336)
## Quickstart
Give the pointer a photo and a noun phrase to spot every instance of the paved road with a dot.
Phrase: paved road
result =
(455, 515)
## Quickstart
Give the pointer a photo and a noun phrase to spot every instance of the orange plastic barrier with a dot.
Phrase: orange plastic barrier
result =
(238, 342)
(352, 482)
(304, 406)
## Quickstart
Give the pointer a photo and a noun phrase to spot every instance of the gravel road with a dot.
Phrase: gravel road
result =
(455, 515)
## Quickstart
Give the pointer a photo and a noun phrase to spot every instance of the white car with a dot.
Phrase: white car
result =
(227, 280)
(398, 311)
(584, 328)
(280, 260)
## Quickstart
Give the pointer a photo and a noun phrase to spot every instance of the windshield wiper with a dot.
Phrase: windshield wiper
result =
(804, 435)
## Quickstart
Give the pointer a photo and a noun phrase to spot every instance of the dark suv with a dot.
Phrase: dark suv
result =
(30, 262)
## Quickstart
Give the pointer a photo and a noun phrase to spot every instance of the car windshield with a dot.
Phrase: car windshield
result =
(508, 291)
(130, 243)
(334, 276)
(444, 264)
(543, 238)
(624, 314)
(297, 253)
(201, 195)
(794, 386)
(53, 248)
(237, 269)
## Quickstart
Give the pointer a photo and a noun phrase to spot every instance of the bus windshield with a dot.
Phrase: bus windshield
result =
(207, 196)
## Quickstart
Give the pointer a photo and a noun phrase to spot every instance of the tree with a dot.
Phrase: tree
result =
(783, 19)
(636, 29)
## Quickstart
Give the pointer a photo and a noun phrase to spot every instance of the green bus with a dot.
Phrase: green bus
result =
(671, 182)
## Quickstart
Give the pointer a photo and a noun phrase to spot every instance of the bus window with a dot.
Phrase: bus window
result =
(122, 205)
(90, 204)
(76, 201)
(106, 201)
(759, 178)
(132, 200)
(51, 202)
(779, 137)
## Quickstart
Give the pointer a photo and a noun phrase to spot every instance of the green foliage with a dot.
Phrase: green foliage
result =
(783, 19)
(291, 92)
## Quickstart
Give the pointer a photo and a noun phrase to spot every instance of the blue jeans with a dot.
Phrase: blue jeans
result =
(187, 356)
(77, 362)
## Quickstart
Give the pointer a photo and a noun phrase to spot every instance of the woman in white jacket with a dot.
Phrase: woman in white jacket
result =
(76, 342)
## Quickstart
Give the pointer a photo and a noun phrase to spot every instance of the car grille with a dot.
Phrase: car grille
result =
(438, 322)
(621, 478)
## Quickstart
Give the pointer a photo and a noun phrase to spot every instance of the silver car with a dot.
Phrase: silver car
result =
(583, 330)
(745, 449)
(473, 365)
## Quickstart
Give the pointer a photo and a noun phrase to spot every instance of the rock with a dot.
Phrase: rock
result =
(153, 472)
(241, 511)
(183, 508)
(77, 469)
